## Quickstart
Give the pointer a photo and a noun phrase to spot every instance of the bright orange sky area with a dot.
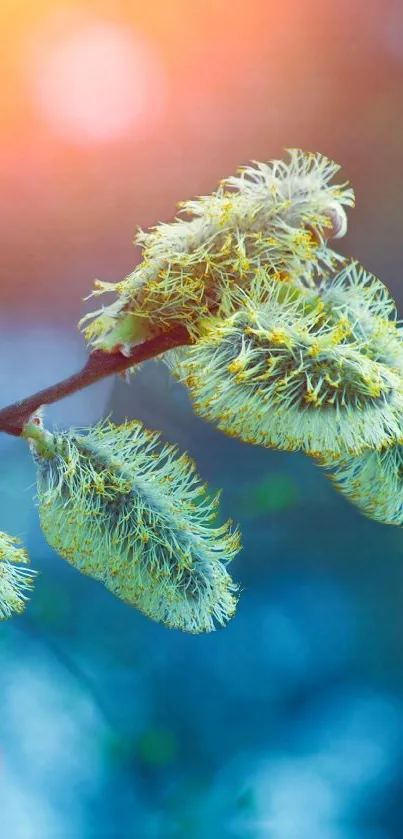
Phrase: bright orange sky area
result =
(114, 111)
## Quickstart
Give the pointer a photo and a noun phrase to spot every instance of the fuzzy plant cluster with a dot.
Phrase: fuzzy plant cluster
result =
(273, 215)
(132, 513)
(290, 346)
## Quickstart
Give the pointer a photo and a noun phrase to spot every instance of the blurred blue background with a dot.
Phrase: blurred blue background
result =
(288, 724)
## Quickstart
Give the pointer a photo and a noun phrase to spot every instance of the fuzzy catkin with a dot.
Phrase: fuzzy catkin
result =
(133, 514)
(16, 580)
(296, 369)
(359, 296)
(372, 481)
(275, 214)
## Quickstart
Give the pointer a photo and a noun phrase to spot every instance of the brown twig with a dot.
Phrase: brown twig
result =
(99, 365)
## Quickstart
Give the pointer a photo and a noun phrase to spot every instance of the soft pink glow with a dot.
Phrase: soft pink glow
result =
(98, 83)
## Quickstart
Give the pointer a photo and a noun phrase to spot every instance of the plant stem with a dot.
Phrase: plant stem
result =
(99, 365)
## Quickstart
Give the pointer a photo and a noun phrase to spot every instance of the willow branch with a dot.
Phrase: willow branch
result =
(98, 366)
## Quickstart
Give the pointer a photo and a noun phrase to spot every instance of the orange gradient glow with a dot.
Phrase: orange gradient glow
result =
(97, 83)
(113, 111)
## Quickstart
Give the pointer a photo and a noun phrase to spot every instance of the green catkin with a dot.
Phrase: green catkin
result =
(15, 581)
(275, 214)
(130, 512)
(373, 481)
(288, 371)
(356, 294)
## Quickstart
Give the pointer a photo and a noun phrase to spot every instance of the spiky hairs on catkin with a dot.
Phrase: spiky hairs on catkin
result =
(134, 515)
(274, 214)
(16, 580)
(281, 372)
(356, 294)
(373, 481)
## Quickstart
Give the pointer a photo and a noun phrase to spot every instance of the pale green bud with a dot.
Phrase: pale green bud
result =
(16, 580)
(277, 215)
(291, 370)
(373, 481)
(130, 512)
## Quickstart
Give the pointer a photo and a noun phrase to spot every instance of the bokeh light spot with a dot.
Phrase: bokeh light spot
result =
(97, 82)
(157, 746)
